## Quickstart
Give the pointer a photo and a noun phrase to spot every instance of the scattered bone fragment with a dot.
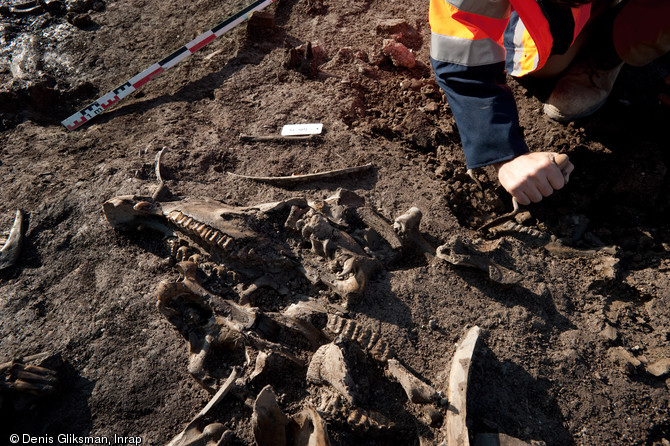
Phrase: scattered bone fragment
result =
(198, 432)
(408, 221)
(417, 391)
(407, 228)
(488, 439)
(304, 178)
(460, 251)
(309, 429)
(298, 318)
(375, 221)
(27, 8)
(269, 365)
(607, 266)
(371, 342)
(338, 207)
(9, 253)
(162, 191)
(455, 423)
(329, 366)
(268, 421)
(659, 368)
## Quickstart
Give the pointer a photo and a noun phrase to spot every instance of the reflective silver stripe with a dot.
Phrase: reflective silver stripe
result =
(465, 51)
(518, 45)
(520, 51)
(495, 9)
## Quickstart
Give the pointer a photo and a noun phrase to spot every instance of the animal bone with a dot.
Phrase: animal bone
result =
(225, 323)
(339, 207)
(216, 224)
(499, 439)
(162, 190)
(297, 179)
(328, 366)
(269, 365)
(300, 317)
(9, 254)
(417, 391)
(370, 342)
(331, 243)
(197, 432)
(237, 317)
(338, 412)
(309, 429)
(461, 252)
(407, 228)
(268, 421)
(279, 138)
(456, 429)
(21, 376)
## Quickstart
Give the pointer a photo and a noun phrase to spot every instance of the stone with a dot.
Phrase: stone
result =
(400, 55)
(609, 333)
(659, 368)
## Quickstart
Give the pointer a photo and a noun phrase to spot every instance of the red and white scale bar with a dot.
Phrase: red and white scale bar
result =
(104, 102)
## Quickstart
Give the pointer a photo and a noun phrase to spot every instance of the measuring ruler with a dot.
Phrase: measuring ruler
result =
(104, 102)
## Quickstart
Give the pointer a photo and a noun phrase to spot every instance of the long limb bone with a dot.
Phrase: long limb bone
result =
(297, 179)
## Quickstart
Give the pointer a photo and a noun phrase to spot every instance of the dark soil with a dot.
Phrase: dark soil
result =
(564, 354)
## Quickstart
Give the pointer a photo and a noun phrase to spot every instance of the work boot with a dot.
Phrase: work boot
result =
(581, 91)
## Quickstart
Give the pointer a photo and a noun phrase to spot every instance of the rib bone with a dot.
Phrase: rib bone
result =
(201, 434)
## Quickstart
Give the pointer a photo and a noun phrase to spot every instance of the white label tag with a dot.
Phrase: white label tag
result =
(301, 129)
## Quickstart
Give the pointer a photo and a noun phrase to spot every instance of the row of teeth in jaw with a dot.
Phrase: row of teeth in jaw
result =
(370, 342)
(202, 230)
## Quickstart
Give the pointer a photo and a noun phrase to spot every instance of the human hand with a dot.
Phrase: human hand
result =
(533, 176)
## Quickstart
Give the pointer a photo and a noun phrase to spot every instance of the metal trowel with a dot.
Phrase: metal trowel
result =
(561, 161)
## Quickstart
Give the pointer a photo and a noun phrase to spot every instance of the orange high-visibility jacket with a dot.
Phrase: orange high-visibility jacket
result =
(473, 43)
(483, 32)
